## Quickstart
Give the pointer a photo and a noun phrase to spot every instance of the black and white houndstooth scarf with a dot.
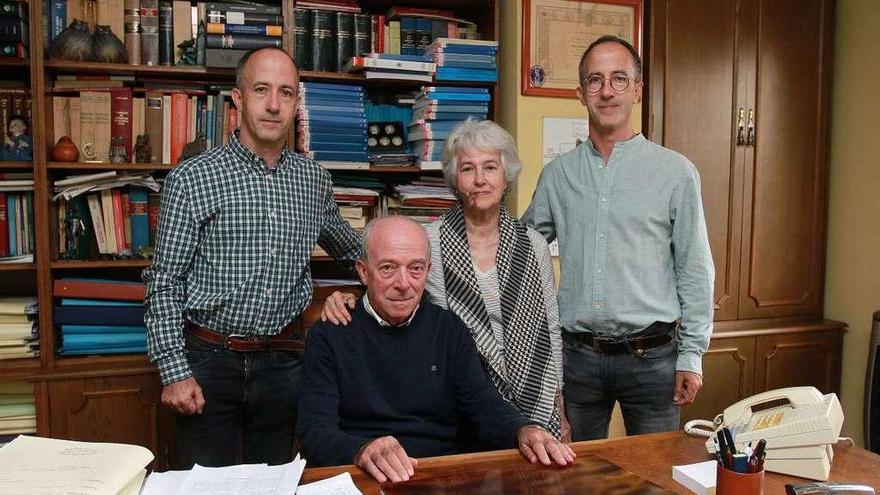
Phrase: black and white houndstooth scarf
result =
(526, 376)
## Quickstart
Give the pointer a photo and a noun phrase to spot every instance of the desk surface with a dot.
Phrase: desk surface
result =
(648, 456)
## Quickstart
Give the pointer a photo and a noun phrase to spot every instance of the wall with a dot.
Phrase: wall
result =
(852, 287)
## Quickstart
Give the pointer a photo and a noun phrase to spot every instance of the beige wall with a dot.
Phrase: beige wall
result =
(852, 287)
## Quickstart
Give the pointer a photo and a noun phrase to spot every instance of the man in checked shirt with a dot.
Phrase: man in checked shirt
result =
(231, 276)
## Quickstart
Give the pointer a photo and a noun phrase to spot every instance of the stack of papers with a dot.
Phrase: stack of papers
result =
(243, 479)
(698, 478)
(18, 329)
(17, 410)
(31, 465)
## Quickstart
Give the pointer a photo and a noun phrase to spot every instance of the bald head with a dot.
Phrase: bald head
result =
(385, 223)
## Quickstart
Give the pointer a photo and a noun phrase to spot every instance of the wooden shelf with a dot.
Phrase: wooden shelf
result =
(108, 166)
(17, 165)
(100, 365)
(12, 267)
(19, 368)
(14, 62)
(89, 264)
(136, 70)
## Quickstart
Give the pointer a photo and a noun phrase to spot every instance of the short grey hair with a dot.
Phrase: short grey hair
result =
(482, 135)
(371, 226)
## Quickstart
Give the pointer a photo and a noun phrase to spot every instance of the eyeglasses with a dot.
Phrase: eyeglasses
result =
(619, 82)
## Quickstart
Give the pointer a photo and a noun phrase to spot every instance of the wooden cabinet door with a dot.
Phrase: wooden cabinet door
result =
(728, 377)
(796, 359)
(124, 409)
(785, 175)
(694, 99)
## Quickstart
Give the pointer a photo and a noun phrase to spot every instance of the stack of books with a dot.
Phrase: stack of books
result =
(388, 66)
(18, 413)
(18, 327)
(437, 110)
(332, 125)
(235, 28)
(464, 60)
(423, 200)
(99, 316)
(16, 218)
(13, 28)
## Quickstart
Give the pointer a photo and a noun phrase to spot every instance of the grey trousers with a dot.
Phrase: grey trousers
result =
(642, 385)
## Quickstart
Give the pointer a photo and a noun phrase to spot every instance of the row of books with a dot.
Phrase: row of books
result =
(114, 222)
(105, 123)
(325, 40)
(16, 225)
(13, 28)
(18, 413)
(239, 28)
(19, 332)
(99, 316)
(437, 110)
(331, 123)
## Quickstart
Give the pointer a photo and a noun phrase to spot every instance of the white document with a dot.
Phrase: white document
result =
(164, 483)
(341, 484)
(47, 466)
(244, 479)
(698, 478)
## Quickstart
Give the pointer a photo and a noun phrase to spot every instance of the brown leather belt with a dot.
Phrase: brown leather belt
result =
(290, 339)
(655, 335)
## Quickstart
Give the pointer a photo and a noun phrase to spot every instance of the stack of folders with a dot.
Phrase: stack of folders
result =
(17, 411)
(437, 110)
(464, 60)
(332, 125)
(52, 466)
(99, 316)
(423, 199)
(18, 327)
(235, 27)
(391, 66)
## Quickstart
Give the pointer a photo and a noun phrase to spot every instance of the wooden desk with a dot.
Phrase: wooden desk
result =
(648, 456)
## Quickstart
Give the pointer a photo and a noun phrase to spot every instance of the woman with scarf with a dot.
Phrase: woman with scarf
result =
(495, 273)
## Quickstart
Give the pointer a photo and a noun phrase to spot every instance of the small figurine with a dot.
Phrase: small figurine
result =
(18, 143)
(193, 148)
(142, 152)
(117, 150)
(187, 52)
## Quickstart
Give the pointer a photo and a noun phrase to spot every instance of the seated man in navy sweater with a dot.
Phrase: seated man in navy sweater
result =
(395, 383)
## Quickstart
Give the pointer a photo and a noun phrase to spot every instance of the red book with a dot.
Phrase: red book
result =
(126, 215)
(120, 118)
(378, 41)
(362, 199)
(100, 289)
(4, 226)
(179, 118)
(119, 222)
(397, 12)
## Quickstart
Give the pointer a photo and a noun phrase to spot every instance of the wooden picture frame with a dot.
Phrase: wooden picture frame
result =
(556, 33)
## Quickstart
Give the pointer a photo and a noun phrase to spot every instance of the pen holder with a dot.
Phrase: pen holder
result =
(728, 482)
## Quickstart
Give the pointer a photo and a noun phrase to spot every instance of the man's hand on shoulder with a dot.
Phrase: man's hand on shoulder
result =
(184, 397)
(537, 445)
(687, 384)
(385, 460)
(335, 309)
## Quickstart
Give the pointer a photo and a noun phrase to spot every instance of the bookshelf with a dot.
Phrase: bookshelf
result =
(116, 397)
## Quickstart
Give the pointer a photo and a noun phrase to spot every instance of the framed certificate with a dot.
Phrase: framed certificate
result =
(556, 33)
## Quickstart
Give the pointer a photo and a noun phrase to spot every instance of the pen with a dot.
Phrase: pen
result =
(722, 447)
(731, 447)
(757, 458)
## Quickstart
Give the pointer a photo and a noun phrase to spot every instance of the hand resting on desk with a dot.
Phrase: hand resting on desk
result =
(385, 460)
(536, 445)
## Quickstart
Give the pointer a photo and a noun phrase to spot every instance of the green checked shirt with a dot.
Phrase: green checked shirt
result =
(233, 247)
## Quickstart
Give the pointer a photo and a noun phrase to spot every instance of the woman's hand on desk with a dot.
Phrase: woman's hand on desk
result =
(335, 309)
(537, 445)
(385, 460)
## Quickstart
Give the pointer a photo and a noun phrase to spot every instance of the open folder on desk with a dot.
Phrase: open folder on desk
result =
(31, 465)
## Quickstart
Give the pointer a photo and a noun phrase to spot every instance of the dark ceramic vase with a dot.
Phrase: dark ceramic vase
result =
(74, 43)
(108, 47)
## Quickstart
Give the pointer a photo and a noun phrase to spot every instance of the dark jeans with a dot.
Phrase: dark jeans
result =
(642, 385)
(250, 406)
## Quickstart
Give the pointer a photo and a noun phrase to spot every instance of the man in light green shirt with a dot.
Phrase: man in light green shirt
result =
(635, 294)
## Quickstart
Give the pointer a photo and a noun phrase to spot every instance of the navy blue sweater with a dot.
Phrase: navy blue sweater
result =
(417, 383)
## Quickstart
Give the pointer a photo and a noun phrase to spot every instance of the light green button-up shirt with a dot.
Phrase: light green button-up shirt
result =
(632, 242)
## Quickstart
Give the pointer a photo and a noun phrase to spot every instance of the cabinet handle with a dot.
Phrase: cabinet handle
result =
(741, 127)
(751, 139)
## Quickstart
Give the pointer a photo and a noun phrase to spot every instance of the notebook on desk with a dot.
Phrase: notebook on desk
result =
(589, 474)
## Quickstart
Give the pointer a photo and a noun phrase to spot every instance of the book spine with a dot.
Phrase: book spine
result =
(302, 38)
(179, 119)
(140, 229)
(150, 32)
(322, 40)
(166, 33)
(261, 8)
(166, 128)
(11, 228)
(153, 125)
(393, 45)
(249, 18)
(265, 30)
(241, 41)
(408, 36)
(423, 34)
(344, 30)
(109, 220)
(126, 221)
(182, 27)
(362, 37)
(154, 201)
(133, 31)
(58, 17)
(4, 226)
(120, 126)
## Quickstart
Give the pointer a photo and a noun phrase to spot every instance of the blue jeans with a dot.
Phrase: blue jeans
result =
(250, 406)
(642, 385)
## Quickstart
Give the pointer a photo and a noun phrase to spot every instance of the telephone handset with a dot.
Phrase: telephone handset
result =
(798, 423)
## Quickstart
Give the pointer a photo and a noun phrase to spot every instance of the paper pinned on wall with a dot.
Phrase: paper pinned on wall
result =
(560, 136)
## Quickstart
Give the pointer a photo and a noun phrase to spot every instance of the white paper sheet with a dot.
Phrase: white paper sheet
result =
(244, 479)
(341, 484)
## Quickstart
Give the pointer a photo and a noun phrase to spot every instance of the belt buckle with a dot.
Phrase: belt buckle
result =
(230, 336)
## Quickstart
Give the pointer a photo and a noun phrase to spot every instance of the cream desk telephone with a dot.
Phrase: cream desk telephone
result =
(799, 424)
